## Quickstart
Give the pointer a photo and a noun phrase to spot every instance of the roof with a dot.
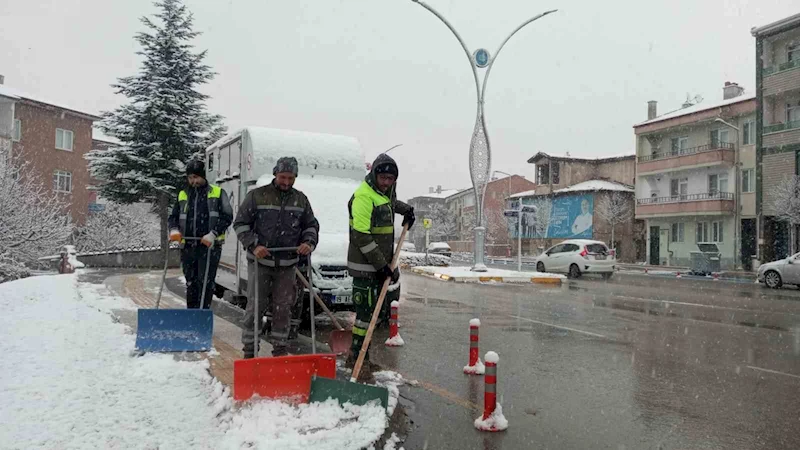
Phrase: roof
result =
(698, 107)
(591, 185)
(98, 135)
(440, 195)
(777, 26)
(16, 94)
(542, 155)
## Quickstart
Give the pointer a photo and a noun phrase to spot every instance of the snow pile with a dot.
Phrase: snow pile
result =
(495, 422)
(391, 443)
(267, 424)
(413, 259)
(466, 274)
(396, 341)
(476, 369)
(391, 381)
(596, 185)
(66, 360)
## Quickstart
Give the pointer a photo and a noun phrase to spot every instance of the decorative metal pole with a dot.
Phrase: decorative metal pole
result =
(480, 160)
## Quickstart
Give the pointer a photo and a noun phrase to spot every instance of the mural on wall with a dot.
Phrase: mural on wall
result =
(563, 217)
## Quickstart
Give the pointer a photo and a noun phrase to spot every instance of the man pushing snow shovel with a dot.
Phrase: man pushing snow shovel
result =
(274, 216)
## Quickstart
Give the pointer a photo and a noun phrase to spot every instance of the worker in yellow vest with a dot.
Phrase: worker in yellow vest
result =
(203, 212)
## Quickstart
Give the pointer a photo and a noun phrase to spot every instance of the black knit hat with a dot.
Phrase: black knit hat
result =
(285, 164)
(196, 167)
(385, 164)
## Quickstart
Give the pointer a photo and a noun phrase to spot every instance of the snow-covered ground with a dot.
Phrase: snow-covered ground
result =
(466, 274)
(418, 259)
(68, 381)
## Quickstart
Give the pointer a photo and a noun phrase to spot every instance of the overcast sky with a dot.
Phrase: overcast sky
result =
(388, 72)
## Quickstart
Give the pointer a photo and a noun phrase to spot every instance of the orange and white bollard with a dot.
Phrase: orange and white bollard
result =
(475, 366)
(716, 276)
(492, 418)
(394, 335)
(678, 275)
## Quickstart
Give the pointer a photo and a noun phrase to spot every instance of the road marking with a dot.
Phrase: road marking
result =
(773, 371)
(447, 395)
(589, 333)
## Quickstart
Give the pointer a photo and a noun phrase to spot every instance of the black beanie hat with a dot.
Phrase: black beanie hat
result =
(196, 167)
(285, 164)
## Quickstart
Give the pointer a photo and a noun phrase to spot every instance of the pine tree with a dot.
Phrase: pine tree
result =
(165, 122)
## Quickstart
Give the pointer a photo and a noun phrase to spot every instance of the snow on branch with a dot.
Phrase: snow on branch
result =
(785, 200)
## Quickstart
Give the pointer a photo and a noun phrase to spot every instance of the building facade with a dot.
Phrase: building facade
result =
(778, 129)
(695, 180)
(432, 206)
(559, 172)
(51, 142)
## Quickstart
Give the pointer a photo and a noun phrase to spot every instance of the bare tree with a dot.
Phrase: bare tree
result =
(496, 226)
(614, 209)
(443, 225)
(34, 222)
(544, 206)
(785, 203)
(119, 226)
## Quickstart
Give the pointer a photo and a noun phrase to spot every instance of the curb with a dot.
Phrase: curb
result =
(532, 280)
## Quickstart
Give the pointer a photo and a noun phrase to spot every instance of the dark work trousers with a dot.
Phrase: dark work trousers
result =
(365, 298)
(193, 261)
(277, 284)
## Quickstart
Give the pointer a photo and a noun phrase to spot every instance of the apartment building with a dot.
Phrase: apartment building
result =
(558, 172)
(778, 128)
(462, 209)
(51, 140)
(695, 179)
(432, 206)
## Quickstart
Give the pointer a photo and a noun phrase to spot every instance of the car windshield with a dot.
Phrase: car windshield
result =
(425, 224)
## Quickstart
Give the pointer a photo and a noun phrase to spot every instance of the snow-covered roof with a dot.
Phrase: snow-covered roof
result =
(441, 195)
(596, 185)
(16, 94)
(591, 185)
(312, 150)
(98, 135)
(698, 107)
(780, 25)
(606, 158)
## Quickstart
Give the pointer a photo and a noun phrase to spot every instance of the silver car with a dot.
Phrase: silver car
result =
(778, 273)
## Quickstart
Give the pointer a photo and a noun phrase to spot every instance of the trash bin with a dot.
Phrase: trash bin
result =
(706, 260)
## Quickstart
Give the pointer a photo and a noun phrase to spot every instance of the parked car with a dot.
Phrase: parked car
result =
(409, 247)
(440, 248)
(578, 256)
(783, 271)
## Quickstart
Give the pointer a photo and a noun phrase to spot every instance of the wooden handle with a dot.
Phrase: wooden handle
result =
(363, 353)
(319, 300)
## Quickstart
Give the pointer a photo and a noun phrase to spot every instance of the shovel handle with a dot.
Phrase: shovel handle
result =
(363, 353)
(319, 300)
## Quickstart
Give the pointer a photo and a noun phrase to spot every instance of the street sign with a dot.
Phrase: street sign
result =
(96, 207)
(427, 224)
(510, 213)
(481, 57)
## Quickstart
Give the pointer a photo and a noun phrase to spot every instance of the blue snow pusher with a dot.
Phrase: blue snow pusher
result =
(174, 330)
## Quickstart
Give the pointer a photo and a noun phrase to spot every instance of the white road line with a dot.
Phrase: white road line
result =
(773, 371)
(589, 333)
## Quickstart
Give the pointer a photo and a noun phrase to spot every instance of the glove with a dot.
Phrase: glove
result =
(208, 240)
(175, 236)
(387, 272)
(409, 218)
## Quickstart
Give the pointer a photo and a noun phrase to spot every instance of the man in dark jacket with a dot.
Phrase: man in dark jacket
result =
(275, 215)
(372, 208)
(203, 212)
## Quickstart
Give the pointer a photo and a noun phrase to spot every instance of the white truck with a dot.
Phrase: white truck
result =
(330, 169)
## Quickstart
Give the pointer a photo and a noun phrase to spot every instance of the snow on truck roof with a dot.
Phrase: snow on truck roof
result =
(325, 151)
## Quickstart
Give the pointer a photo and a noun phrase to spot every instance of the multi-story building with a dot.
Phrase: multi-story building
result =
(462, 209)
(695, 179)
(51, 141)
(778, 127)
(558, 172)
(432, 206)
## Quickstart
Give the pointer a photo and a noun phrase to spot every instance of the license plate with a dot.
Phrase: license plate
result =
(600, 257)
(342, 300)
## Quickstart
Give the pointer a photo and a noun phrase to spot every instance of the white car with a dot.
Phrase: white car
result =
(777, 273)
(409, 247)
(578, 256)
(440, 248)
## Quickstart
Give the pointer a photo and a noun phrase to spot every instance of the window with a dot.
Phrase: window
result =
(556, 174)
(677, 232)
(211, 161)
(792, 113)
(679, 145)
(792, 52)
(719, 137)
(542, 174)
(556, 249)
(62, 181)
(749, 132)
(679, 187)
(717, 183)
(749, 180)
(709, 232)
(17, 135)
(63, 139)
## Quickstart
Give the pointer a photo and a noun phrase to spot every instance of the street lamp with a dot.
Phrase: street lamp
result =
(392, 148)
(479, 148)
(736, 195)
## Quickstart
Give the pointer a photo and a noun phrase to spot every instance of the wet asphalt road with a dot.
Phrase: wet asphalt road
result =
(638, 362)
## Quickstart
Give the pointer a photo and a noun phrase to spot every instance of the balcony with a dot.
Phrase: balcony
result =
(780, 134)
(710, 203)
(702, 156)
(768, 71)
(781, 79)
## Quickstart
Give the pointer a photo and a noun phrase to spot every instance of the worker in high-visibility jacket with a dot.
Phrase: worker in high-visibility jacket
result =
(372, 208)
(203, 212)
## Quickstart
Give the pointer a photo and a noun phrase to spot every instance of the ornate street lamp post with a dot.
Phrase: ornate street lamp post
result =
(479, 149)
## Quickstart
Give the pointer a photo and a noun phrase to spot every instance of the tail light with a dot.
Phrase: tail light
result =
(584, 252)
